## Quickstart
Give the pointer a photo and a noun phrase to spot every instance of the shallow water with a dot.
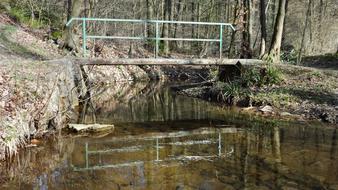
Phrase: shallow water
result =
(166, 141)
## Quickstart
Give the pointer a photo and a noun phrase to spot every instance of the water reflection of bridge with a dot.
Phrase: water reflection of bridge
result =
(155, 142)
(151, 102)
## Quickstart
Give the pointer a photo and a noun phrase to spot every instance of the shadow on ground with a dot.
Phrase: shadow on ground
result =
(327, 61)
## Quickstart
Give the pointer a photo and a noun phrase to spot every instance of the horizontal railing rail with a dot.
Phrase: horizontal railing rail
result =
(157, 37)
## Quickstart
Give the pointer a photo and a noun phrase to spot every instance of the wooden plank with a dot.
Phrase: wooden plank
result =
(161, 61)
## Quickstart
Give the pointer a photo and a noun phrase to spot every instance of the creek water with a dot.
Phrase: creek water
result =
(162, 140)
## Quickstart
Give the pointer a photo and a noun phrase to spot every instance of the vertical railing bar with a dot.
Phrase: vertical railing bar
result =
(84, 37)
(220, 41)
(157, 40)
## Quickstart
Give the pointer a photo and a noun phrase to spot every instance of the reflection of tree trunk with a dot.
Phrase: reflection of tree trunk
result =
(333, 150)
(276, 152)
(276, 144)
(260, 142)
(246, 160)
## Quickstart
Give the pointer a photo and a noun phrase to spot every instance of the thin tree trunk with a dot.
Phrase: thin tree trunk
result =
(246, 51)
(263, 28)
(276, 43)
(167, 6)
(150, 13)
(180, 7)
(302, 44)
(75, 11)
(233, 35)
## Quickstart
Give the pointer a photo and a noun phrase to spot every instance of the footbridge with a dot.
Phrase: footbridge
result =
(156, 60)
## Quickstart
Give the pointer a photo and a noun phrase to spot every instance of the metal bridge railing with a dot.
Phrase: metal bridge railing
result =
(157, 37)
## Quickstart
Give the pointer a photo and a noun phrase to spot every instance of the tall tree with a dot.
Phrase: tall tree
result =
(74, 11)
(262, 6)
(276, 42)
(166, 29)
(302, 44)
(150, 15)
(247, 29)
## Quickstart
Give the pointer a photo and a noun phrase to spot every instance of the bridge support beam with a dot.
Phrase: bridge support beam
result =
(227, 73)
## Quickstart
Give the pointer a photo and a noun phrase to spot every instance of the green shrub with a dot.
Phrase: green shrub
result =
(268, 75)
(273, 76)
(250, 78)
(56, 34)
(232, 90)
(19, 15)
(289, 56)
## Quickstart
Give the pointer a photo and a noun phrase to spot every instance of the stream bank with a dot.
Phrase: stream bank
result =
(41, 97)
(284, 90)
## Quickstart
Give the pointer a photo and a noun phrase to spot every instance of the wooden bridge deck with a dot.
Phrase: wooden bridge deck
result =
(161, 61)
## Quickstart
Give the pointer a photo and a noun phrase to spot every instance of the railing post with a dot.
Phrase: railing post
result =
(84, 37)
(220, 41)
(157, 40)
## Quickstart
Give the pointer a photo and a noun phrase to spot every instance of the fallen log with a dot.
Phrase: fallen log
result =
(162, 61)
(79, 128)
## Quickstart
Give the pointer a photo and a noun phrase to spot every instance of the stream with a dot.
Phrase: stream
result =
(162, 140)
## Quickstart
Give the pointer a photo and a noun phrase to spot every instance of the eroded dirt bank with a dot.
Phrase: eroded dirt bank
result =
(41, 97)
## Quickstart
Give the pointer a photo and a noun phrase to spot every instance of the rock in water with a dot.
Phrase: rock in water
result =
(90, 127)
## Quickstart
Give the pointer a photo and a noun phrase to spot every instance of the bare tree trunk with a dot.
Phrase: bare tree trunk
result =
(180, 8)
(302, 44)
(263, 28)
(167, 6)
(75, 11)
(250, 22)
(233, 35)
(278, 32)
(131, 45)
(150, 13)
(246, 51)
(205, 46)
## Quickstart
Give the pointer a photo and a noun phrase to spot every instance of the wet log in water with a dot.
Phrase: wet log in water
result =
(90, 127)
(161, 61)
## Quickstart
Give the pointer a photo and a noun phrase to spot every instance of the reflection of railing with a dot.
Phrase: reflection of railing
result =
(156, 139)
(157, 37)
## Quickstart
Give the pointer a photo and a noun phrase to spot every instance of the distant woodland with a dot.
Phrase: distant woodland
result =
(278, 29)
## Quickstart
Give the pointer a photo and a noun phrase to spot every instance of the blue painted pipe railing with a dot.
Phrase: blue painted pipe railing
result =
(157, 37)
